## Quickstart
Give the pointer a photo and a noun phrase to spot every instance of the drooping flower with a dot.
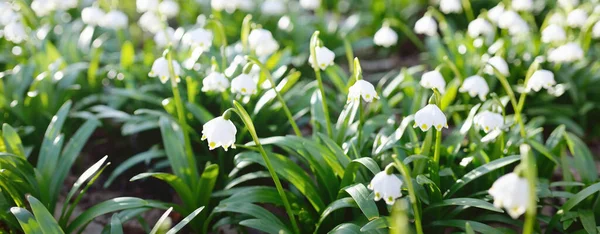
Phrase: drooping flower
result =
(386, 186)
(512, 21)
(215, 81)
(499, 63)
(519, 28)
(160, 69)
(385, 37)
(92, 15)
(430, 116)
(596, 30)
(433, 79)
(426, 25)
(488, 121)
(558, 19)
(7, 14)
(168, 8)
(15, 32)
(146, 5)
(150, 22)
(540, 79)
(262, 42)
(553, 33)
(577, 18)
(219, 132)
(450, 6)
(567, 53)
(480, 27)
(362, 89)
(273, 7)
(324, 57)
(511, 192)
(164, 37)
(114, 19)
(243, 84)
(475, 86)
(522, 5)
(310, 4)
(198, 38)
(495, 13)
(43, 8)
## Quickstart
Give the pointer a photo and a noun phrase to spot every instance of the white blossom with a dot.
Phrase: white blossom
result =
(430, 116)
(385, 37)
(324, 57)
(488, 121)
(164, 37)
(512, 193)
(480, 27)
(7, 14)
(499, 63)
(558, 19)
(495, 13)
(433, 79)
(596, 30)
(475, 86)
(262, 42)
(273, 7)
(92, 15)
(160, 69)
(310, 4)
(426, 25)
(512, 21)
(151, 22)
(568, 3)
(386, 186)
(168, 8)
(198, 38)
(540, 79)
(15, 32)
(43, 8)
(219, 132)
(243, 84)
(146, 5)
(522, 5)
(362, 89)
(569, 52)
(577, 18)
(215, 81)
(450, 6)
(114, 19)
(553, 33)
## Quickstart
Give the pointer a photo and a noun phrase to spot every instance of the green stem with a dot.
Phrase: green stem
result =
(221, 31)
(513, 101)
(468, 10)
(361, 122)
(436, 157)
(181, 114)
(405, 171)
(349, 53)
(408, 32)
(248, 122)
(314, 41)
(531, 175)
(287, 111)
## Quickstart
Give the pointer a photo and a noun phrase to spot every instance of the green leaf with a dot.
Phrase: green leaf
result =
(346, 202)
(346, 228)
(478, 172)
(469, 229)
(48, 157)
(132, 161)
(393, 139)
(571, 203)
(185, 221)
(588, 220)
(115, 225)
(127, 55)
(271, 223)
(201, 113)
(352, 168)
(175, 182)
(12, 141)
(477, 226)
(47, 223)
(206, 184)
(163, 218)
(172, 136)
(472, 202)
(85, 176)
(26, 220)
(377, 223)
(584, 161)
(364, 200)
(542, 149)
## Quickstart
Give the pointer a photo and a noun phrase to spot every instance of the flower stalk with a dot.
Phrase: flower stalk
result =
(405, 171)
(531, 176)
(513, 100)
(314, 41)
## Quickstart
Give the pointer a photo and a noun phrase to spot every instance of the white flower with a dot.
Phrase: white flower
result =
(43, 7)
(596, 30)
(450, 6)
(569, 52)
(160, 69)
(243, 84)
(553, 33)
(488, 121)
(15, 32)
(522, 5)
(433, 79)
(480, 27)
(262, 42)
(385, 37)
(199, 38)
(92, 15)
(273, 7)
(512, 21)
(475, 86)
(168, 8)
(7, 14)
(499, 63)
(164, 37)
(310, 4)
(557, 18)
(146, 5)
(568, 3)
(386, 186)
(65, 4)
(426, 25)
(219, 132)
(577, 18)
(215, 81)
(430, 116)
(362, 89)
(495, 13)
(114, 19)
(151, 22)
(540, 79)
(511, 192)
(324, 57)
(519, 28)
